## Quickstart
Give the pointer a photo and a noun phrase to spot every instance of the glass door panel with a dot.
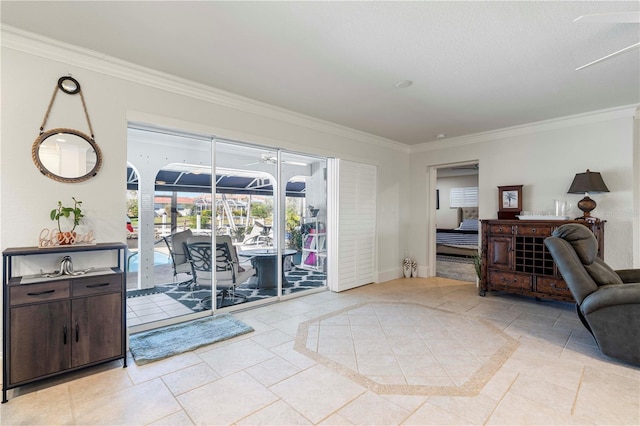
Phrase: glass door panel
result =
(169, 200)
(246, 213)
(304, 222)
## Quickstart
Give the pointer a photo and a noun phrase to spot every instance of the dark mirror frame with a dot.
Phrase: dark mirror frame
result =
(35, 154)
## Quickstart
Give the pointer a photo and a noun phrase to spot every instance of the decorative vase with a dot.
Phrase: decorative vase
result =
(414, 269)
(406, 267)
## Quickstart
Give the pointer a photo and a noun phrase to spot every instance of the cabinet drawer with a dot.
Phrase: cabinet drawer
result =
(500, 229)
(108, 283)
(32, 293)
(555, 286)
(509, 281)
(534, 230)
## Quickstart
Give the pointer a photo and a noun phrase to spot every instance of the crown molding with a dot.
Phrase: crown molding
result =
(37, 45)
(626, 111)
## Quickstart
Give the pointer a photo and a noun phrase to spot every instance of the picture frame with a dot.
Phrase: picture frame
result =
(510, 198)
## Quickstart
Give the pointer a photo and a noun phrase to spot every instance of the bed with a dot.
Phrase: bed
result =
(463, 240)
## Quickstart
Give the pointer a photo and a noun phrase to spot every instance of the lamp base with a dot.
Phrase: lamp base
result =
(586, 205)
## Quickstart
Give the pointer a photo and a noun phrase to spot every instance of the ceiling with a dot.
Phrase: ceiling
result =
(475, 66)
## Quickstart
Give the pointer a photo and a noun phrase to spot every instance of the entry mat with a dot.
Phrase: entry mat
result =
(164, 342)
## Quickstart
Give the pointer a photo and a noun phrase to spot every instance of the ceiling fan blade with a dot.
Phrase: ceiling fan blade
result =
(609, 56)
(614, 18)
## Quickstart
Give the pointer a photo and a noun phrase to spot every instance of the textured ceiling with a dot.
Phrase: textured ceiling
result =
(476, 66)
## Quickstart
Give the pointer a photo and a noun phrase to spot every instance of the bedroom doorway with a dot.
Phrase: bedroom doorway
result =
(456, 221)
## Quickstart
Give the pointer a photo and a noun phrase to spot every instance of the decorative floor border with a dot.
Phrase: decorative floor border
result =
(471, 387)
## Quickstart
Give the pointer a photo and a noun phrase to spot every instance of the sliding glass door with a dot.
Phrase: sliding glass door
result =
(194, 200)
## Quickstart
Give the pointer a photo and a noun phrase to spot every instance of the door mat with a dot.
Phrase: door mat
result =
(164, 342)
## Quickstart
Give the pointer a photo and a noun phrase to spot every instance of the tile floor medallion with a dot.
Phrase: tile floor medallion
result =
(406, 348)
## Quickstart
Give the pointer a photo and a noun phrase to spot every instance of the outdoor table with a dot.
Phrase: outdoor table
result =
(264, 261)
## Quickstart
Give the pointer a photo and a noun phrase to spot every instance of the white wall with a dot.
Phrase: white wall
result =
(116, 93)
(544, 158)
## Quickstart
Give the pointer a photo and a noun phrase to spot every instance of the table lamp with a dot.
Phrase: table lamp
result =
(584, 183)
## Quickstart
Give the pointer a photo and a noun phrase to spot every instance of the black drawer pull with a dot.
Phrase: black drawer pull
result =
(77, 331)
(41, 293)
(97, 285)
(64, 334)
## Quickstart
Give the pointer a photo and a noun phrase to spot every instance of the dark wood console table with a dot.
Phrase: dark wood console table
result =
(515, 259)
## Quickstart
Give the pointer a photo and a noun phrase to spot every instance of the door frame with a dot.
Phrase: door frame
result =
(432, 180)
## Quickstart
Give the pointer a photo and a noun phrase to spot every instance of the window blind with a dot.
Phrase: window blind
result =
(463, 197)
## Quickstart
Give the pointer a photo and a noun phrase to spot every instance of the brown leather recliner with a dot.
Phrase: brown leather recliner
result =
(608, 301)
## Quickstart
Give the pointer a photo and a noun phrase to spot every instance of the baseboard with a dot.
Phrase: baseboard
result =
(390, 274)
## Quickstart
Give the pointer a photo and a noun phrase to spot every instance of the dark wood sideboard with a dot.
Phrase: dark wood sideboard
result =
(515, 259)
(55, 325)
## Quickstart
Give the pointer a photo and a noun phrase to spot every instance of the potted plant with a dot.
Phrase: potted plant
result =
(67, 237)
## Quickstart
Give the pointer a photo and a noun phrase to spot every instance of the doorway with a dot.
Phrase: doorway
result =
(455, 227)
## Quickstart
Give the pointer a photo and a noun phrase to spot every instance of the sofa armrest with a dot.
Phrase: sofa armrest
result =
(629, 275)
(611, 295)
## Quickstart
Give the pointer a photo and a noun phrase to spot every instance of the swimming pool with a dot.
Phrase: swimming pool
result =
(159, 258)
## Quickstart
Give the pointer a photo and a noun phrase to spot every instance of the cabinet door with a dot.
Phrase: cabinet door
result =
(500, 253)
(40, 340)
(97, 328)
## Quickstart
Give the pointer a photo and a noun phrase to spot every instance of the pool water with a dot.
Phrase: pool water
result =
(159, 258)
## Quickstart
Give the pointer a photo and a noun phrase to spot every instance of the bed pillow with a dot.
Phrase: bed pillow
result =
(469, 225)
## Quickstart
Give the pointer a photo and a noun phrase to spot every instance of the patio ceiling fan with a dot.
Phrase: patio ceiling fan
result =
(272, 158)
(613, 18)
(266, 158)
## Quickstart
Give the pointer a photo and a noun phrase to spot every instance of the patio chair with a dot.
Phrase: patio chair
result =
(245, 264)
(176, 244)
(257, 236)
(227, 274)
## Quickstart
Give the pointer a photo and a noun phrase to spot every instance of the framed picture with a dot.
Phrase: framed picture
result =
(510, 198)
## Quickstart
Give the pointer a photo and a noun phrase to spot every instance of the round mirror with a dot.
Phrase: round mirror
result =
(69, 85)
(66, 155)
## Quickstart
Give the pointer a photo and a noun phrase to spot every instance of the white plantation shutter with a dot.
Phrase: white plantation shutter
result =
(356, 224)
(463, 197)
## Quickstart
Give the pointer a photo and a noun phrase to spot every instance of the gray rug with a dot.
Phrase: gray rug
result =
(171, 340)
(457, 268)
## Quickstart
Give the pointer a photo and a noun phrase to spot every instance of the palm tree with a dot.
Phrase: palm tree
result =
(510, 196)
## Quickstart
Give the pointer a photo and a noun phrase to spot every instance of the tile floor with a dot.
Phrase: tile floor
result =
(155, 307)
(284, 373)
